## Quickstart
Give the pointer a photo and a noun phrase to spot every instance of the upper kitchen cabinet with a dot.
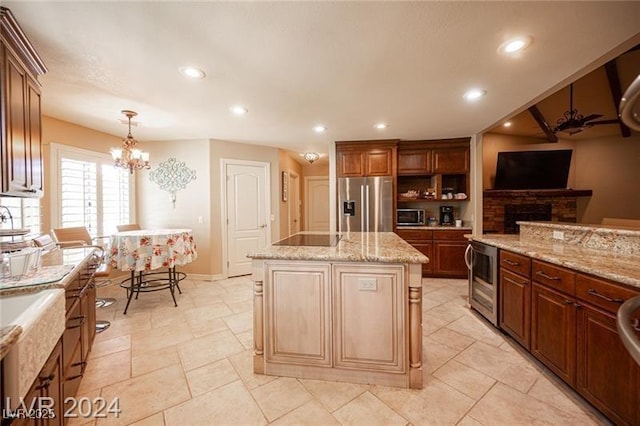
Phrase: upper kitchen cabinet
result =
(431, 169)
(450, 156)
(451, 160)
(414, 161)
(366, 158)
(21, 143)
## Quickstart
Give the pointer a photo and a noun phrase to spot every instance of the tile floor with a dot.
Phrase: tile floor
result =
(191, 365)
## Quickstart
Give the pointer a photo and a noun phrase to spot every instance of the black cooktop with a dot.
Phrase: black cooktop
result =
(323, 240)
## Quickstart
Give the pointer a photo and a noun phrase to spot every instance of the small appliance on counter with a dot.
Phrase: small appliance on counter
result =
(408, 217)
(446, 216)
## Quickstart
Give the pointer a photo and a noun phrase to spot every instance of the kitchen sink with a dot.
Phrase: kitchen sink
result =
(41, 315)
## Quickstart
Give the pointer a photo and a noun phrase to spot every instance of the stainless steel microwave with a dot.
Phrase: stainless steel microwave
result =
(407, 217)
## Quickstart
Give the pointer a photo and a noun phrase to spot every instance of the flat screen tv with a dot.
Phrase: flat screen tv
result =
(533, 169)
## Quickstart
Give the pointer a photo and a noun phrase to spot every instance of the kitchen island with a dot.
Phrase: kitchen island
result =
(350, 311)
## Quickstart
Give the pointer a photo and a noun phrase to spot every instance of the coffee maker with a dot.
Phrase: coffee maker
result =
(446, 216)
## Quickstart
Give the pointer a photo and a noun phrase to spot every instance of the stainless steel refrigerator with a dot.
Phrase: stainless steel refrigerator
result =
(365, 204)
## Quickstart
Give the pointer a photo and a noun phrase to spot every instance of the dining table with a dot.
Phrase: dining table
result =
(145, 252)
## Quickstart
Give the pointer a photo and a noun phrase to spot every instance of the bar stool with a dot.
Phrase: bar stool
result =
(79, 237)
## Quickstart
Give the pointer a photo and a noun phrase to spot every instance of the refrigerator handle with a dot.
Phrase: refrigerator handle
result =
(368, 207)
(363, 208)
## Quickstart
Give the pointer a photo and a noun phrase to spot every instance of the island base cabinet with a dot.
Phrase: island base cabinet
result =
(369, 317)
(297, 314)
(356, 322)
(607, 375)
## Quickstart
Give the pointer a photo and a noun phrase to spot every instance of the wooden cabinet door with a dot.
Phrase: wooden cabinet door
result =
(34, 139)
(51, 382)
(451, 160)
(607, 375)
(21, 142)
(297, 298)
(351, 164)
(15, 150)
(421, 240)
(379, 162)
(427, 250)
(369, 304)
(553, 331)
(414, 162)
(45, 393)
(448, 258)
(515, 306)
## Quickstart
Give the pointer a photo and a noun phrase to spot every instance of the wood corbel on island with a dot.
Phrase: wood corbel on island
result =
(347, 313)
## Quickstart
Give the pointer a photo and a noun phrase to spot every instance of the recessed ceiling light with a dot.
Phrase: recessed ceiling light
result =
(192, 72)
(381, 126)
(507, 124)
(319, 129)
(474, 94)
(238, 110)
(514, 45)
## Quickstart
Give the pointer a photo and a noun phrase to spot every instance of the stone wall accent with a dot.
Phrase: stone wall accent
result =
(563, 208)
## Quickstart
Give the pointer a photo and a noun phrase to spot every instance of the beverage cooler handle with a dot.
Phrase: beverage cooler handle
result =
(363, 207)
(468, 253)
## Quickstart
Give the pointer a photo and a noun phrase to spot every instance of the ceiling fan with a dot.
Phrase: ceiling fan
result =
(573, 123)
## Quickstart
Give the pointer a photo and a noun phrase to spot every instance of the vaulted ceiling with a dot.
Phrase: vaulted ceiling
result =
(293, 65)
(598, 92)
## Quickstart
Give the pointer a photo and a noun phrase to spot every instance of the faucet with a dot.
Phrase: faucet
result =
(4, 217)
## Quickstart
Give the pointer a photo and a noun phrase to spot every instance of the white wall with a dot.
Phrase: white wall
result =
(154, 206)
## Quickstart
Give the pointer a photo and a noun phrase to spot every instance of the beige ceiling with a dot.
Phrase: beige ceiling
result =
(346, 65)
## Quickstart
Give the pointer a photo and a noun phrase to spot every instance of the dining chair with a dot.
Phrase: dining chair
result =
(78, 236)
(45, 242)
(128, 227)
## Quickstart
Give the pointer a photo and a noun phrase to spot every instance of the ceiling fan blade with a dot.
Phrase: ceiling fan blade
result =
(591, 117)
(612, 121)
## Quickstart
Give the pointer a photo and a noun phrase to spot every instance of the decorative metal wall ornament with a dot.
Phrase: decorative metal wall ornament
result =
(172, 176)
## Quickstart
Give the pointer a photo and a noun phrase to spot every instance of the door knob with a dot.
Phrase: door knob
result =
(263, 226)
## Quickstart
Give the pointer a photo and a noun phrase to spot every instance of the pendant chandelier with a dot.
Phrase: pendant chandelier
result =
(130, 157)
(311, 156)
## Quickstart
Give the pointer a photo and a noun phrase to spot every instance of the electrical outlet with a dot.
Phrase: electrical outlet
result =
(367, 284)
(558, 235)
(200, 220)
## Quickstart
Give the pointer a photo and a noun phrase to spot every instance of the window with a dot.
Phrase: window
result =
(91, 192)
(25, 213)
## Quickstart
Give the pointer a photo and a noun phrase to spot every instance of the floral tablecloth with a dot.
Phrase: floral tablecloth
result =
(148, 249)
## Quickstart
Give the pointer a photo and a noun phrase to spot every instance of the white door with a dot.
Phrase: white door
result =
(294, 203)
(317, 203)
(247, 212)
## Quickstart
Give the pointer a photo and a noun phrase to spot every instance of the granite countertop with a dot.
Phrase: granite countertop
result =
(385, 247)
(8, 336)
(75, 258)
(601, 263)
(437, 227)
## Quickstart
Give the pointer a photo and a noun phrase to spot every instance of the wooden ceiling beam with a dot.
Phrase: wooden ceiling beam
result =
(616, 92)
(537, 115)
